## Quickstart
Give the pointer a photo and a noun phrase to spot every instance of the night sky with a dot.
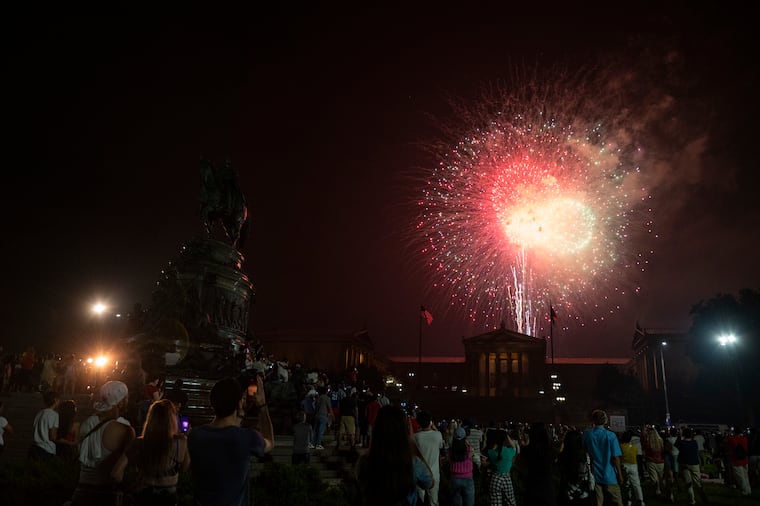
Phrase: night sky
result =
(326, 115)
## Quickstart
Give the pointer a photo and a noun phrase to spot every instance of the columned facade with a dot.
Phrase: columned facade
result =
(503, 363)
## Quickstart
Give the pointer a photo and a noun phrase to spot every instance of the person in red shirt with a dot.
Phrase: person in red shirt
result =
(413, 423)
(152, 392)
(27, 364)
(737, 450)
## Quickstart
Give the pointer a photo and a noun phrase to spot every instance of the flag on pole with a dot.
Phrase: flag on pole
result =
(426, 315)
(552, 314)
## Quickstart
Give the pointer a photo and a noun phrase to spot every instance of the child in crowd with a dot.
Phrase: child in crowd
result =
(4, 427)
(303, 439)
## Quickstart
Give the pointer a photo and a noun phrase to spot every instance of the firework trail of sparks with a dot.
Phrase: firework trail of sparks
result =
(539, 201)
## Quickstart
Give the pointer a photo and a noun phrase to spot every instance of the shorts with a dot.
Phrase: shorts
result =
(347, 425)
(611, 491)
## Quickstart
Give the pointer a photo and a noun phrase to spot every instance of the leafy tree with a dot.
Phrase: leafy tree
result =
(733, 368)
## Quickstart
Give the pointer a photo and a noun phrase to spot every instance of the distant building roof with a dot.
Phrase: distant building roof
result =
(557, 360)
(589, 360)
(427, 360)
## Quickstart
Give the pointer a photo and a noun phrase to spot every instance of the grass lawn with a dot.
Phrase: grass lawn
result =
(717, 493)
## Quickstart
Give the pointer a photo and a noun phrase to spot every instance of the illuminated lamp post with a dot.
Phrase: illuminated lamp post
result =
(663, 344)
(729, 341)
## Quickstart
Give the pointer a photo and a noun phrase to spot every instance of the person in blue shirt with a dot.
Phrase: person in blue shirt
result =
(220, 451)
(603, 448)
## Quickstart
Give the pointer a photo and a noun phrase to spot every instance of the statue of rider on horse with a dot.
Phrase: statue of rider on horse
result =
(223, 203)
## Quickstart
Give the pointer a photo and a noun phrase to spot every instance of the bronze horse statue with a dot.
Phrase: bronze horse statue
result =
(223, 203)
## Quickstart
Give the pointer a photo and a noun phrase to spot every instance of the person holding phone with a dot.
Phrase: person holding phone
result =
(221, 450)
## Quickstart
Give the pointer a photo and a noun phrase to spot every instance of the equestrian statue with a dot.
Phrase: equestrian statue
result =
(222, 203)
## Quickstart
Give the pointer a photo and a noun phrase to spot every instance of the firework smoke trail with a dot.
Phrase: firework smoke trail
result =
(539, 199)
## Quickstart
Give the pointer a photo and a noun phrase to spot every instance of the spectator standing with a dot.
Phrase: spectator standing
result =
(537, 458)
(753, 442)
(629, 464)
(104, 438)
(47, 378)
(309, 405)
(68, 431)
(159, 454)
(151, 393)
(322, 416)
(303, 437)
(738, 455)
(5, 427)
(653, 459)
(383, 399)
(390, 471)
(460, 467)
(349, 414)
(45, 428)
(69, 375)
(576, 481)
(220, 451)
(604, 449)
(372, 409)
(688, 455)
(430, 442)
(475, 440)
(177, 395)
(500, 456)
(28, 359)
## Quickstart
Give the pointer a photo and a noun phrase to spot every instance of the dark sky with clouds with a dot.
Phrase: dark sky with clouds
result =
(323, 114)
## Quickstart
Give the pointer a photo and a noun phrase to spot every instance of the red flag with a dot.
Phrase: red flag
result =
(426, 315)
(552, 314)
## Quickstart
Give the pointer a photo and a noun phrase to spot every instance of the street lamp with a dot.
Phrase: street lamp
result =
(728, 341)
(663, 344)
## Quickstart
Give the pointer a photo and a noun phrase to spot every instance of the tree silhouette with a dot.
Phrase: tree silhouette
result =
(731, 369)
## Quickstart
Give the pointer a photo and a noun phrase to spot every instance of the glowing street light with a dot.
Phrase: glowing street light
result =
(98, 308)
(729, 342)
(665, 384)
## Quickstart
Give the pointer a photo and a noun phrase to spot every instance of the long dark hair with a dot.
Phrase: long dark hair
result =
(158, 438)
(458, 450)
(539, 440)
(498, 439)
(67, 413)
(571, 455)
(386, 474)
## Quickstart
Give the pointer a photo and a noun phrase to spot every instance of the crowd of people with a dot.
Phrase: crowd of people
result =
(406, 457)
(106, 445)
(555, 465)
(31, 372)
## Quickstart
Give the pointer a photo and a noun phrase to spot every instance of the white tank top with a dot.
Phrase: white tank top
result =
(91, 449)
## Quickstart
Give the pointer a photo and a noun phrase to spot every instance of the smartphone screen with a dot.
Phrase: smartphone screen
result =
(185, 423)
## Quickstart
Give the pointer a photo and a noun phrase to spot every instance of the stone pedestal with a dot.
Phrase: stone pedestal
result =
(207, 287)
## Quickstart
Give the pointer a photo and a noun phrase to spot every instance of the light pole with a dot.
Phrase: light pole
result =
(665, 385)
(728, 341)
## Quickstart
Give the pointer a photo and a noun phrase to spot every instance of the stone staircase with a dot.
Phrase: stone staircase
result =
(333, 465)
(20, 409)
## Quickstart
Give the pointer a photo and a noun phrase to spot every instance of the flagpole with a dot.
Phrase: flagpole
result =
(419, 352)
(551, 329)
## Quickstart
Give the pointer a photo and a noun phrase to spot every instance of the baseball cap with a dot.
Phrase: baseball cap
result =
(111, 394)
